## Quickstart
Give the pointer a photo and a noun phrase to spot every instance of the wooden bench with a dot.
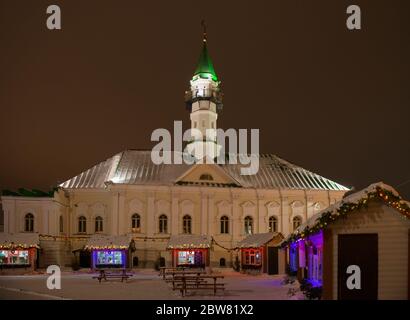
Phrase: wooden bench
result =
(113, 274)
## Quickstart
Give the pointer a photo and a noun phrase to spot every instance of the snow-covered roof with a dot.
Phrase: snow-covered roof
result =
(98, 241)
(189, 241)
(19, 240)
(259, 239)
(135, 167)
(353, 198)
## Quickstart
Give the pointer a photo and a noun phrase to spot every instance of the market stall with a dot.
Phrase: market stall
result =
(190, 250)
(109, 251)
(18, 251)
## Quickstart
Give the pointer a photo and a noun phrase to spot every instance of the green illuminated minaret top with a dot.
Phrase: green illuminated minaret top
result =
(205, 68)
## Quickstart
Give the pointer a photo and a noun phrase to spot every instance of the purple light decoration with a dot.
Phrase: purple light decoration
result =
(317, 239)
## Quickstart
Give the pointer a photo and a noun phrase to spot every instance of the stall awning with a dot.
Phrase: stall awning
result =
(189, 241)
(259, 239)
(108, 242)
(19, 240)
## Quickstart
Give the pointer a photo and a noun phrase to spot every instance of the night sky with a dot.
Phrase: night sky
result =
(331, 100)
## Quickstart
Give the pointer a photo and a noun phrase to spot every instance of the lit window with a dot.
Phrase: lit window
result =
(108, 258)
(29, 222)
(190, 258)
(273, 224)
(136, 222)
(163, 224)
(82, 224)
(98, 224)
(252, 257)
(187, 224)
(14, 257)
(224, 225)
(248, 225)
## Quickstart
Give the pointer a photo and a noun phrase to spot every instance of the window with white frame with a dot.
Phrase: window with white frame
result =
(248, 224)
(186, 224)
(29, 222)
(82, 224)
(273, 224)
(224, 225)
(163, 224)
(99, 224)
(297, 221)
(136, 222)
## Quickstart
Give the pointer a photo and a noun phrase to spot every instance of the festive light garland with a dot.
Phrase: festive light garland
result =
(387, 196)
(12, 246)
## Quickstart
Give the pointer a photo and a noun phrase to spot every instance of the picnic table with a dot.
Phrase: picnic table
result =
(113, 274)
(163, 270)
(198, 282)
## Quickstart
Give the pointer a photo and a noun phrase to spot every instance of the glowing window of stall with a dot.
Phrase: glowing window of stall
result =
(186, 257)
(253, 257)
(107, 257)
(14, 257)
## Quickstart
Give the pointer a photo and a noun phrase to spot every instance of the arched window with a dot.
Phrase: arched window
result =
(248, 225)
(98, 224)
(273, 224)
(61, 224)
(136, 222)
(29, 222)
(224, 224)
(163, 224)
(297, 221)
(187, 224)
(222, 262)
(82, 224)
(206, 176)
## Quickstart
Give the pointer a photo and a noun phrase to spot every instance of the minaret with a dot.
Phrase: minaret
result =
(204, 100)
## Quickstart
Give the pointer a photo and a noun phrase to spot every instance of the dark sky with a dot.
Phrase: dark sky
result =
(328, 99)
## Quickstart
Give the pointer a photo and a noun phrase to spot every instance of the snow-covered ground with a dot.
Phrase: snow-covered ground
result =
(146, 284)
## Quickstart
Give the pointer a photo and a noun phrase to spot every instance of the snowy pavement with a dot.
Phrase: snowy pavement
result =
(144, 285)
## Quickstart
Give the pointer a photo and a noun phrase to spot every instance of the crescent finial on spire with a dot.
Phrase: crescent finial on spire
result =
(203, 24)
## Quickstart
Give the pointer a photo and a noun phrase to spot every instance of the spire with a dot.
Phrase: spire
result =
(205, 68)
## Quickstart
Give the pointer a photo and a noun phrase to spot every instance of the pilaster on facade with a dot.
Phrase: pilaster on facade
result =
(175, 198)
(237, 225)
(285, 212)
(204, 213)
(211, 214)
(262, 213)
(151, 214)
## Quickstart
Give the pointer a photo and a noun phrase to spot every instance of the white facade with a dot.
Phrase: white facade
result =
(128, 184)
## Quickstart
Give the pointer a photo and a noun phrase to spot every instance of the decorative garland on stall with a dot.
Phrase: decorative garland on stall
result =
(387, 196)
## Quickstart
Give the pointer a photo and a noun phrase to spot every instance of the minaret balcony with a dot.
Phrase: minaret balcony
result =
(205, 94)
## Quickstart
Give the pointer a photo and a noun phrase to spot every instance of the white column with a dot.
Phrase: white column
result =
(204, 214)
(114, 216)
(151, 227)
(174, 213)
(45, 213)
(237, 219)
(121, 213)
(211, 215)
(285, 208)
(261, 215)
(13, 217)
(6, 210)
